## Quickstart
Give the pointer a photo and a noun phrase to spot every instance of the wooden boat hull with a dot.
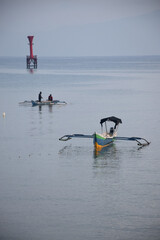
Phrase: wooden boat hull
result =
(49, 103)
(101, 142)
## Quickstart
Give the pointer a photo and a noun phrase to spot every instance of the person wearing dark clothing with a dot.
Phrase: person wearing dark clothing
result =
(40, 97)
(50, 98)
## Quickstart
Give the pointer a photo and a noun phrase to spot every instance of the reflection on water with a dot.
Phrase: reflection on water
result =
(107, 152)
(68, 151)
(107, 158)
(50, 108)
(40, 108)
(31, 70)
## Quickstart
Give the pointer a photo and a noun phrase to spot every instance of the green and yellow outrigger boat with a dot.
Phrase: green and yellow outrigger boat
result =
(106, 138)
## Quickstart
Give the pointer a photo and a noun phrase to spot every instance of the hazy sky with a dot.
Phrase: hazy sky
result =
(80, 27)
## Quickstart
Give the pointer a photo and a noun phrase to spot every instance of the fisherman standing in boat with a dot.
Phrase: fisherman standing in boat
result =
(40, 97)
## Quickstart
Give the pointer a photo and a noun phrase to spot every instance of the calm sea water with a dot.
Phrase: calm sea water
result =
(60, 190)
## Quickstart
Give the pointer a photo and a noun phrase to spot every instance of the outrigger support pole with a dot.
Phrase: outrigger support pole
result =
(137, 139)
(68, 137)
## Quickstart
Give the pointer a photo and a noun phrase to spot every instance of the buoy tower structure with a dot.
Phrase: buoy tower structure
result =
(31, 60)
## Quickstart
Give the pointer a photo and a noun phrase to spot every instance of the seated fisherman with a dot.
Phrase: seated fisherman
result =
(50, 98)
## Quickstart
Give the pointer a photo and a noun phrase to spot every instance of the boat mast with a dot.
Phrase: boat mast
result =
(106, 126)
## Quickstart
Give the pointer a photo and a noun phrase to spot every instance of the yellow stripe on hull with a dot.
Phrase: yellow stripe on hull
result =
(99, 147)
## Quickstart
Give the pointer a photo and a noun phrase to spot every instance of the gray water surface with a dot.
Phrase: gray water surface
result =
(60, 190)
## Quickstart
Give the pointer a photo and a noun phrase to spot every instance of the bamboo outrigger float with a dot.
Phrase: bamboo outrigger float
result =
(106, 138)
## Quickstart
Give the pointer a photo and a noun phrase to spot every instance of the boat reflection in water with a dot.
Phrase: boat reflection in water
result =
(108, 159)
(106, 152)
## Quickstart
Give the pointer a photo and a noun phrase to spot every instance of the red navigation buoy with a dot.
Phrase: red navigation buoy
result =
(31, 60)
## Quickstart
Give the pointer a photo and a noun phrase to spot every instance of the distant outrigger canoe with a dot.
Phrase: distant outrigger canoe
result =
(50, 103)
(106, 138)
